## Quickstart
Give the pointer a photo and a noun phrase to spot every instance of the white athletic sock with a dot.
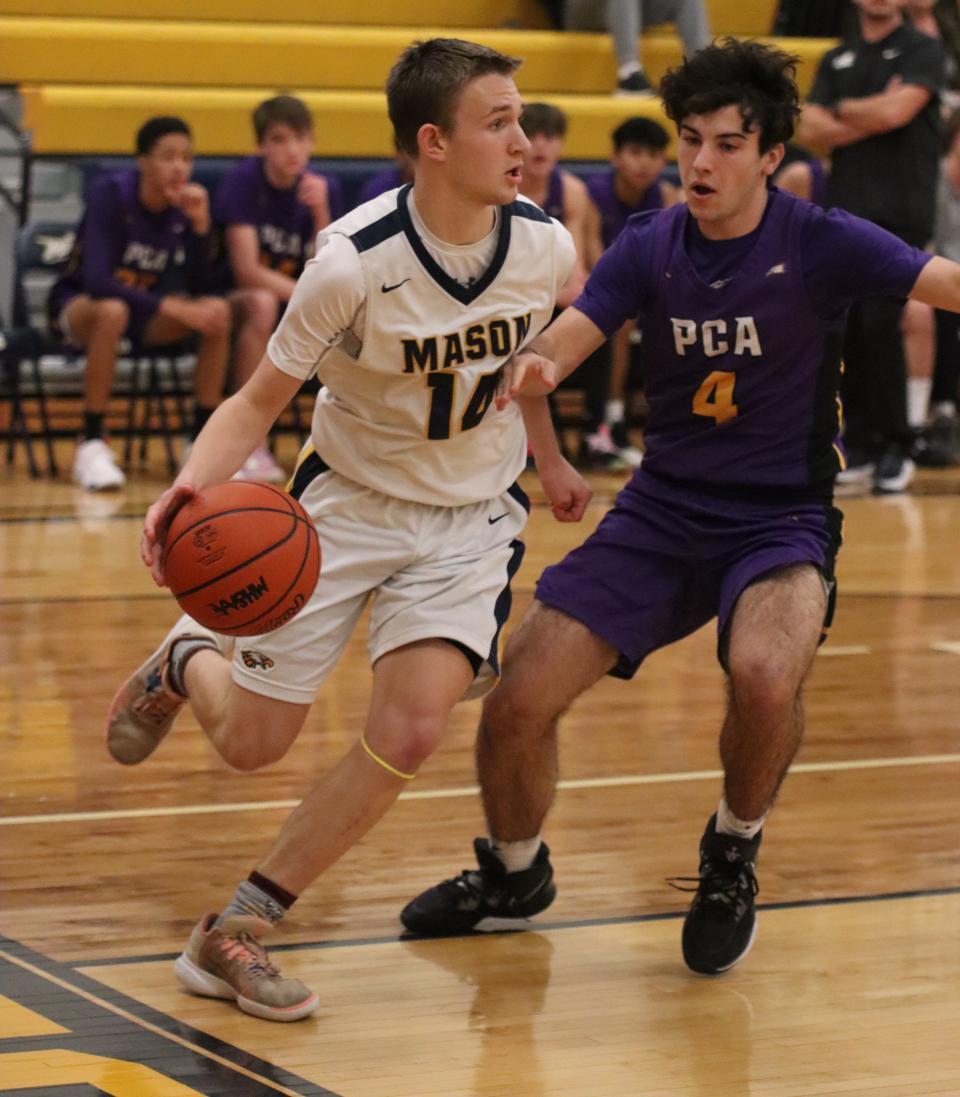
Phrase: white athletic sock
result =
(628, 69)
(918, 400)
(614, 412)
(945, 408)
(516, 856)
(728, 823)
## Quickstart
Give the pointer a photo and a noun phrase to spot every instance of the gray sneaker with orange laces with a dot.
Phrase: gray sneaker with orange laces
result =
(145, 706)
(228, 961)
(143, 710)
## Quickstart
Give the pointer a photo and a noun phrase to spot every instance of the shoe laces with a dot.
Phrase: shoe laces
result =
(247, 950)
(732, 890)
(155, 704)
(467, 887)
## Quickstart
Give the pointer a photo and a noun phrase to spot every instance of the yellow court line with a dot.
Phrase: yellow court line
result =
(472, 790)
(134, 1019)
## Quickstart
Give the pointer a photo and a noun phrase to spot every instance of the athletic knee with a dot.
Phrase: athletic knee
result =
(411, 739)
(247, 743)
(260, 311)
(249, 753)
(761, 681)
(513, 708)
(111, 314)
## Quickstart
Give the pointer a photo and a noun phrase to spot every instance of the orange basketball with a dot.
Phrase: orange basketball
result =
(242, 557)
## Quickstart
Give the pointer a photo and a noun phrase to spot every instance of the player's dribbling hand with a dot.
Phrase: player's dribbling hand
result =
(566, 490)
(155, 526)
(525, 375)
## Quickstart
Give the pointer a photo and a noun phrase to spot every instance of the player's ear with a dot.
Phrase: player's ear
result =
(432, 141)
(772, 159)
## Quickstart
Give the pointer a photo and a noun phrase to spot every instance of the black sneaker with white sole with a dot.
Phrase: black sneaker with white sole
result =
(721, 923)
(459, 905)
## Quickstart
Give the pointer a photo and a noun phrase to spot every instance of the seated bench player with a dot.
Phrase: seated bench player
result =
(139, 269)
(271, 207)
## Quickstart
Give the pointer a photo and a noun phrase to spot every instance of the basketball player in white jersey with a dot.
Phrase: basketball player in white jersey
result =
(408, 313)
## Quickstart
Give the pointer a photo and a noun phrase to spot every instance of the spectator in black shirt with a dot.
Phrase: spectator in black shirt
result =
(875, 104)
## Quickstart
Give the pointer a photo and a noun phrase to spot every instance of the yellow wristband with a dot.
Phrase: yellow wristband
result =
(385, 765)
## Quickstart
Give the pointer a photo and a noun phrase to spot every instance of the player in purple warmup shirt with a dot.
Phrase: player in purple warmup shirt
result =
(634, 184)
(558, 193)
(139, 268)
(271, 208)
(388, 179)
(741, 295)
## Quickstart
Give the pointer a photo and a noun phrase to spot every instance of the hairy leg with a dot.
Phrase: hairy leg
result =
(549, 662)
(774, 633)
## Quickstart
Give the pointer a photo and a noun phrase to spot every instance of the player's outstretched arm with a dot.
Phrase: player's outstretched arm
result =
(547, 360)
(938, 284)
(231, 434)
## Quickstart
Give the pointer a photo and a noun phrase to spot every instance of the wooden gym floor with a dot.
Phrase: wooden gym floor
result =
(853, 986)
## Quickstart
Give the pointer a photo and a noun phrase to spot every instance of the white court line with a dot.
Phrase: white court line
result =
(949, 646)
(841, 649)
(456, 793)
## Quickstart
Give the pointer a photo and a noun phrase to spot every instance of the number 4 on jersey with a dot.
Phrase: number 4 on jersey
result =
(714, 398)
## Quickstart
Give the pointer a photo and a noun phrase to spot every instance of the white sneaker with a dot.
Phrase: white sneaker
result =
(95, 468)
(261, 465)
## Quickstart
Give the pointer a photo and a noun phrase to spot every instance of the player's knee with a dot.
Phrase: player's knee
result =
(220, 309)
(513, 708)
(112, 314)
(261, 311)
(412, 738)
(247, 754)
(761, 681)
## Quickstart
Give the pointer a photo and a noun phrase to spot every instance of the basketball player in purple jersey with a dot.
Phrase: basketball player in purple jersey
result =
(741, 295)
(560, 194)
(388, 179)
(271, 207)
(139, 269)
(634, 184)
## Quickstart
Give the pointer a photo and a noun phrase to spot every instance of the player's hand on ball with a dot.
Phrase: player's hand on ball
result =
(525, 375)
(566, 490)
(155, 526)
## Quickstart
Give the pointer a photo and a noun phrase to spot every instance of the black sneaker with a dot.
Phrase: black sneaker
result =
(936, 446)
(893, 474)
(721, 923)
(635, 84)
(459, 905)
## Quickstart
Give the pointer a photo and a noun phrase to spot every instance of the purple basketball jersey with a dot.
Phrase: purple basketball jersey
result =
(285, 226)
(742, 363)
(613, 212)
(126, 251)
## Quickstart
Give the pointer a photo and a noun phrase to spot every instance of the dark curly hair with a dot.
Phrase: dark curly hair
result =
(758, 79)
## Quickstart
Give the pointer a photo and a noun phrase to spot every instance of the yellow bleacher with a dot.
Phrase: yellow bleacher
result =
(89, 73)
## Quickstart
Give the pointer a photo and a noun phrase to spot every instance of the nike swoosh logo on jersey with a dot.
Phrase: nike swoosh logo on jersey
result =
(493, 521)
(389, 289)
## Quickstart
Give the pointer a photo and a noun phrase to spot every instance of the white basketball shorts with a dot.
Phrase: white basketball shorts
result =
(432, 572)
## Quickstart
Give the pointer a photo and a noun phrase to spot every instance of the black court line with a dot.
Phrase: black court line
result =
(122, 1038)
(580, 923)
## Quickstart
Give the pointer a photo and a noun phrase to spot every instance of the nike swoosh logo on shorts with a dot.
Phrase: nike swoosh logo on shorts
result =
(492, 521)
(384, 288)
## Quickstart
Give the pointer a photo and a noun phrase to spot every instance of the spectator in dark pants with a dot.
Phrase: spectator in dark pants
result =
(875, 104)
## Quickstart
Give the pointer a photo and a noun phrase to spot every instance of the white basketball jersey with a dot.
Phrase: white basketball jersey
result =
(410, 376)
